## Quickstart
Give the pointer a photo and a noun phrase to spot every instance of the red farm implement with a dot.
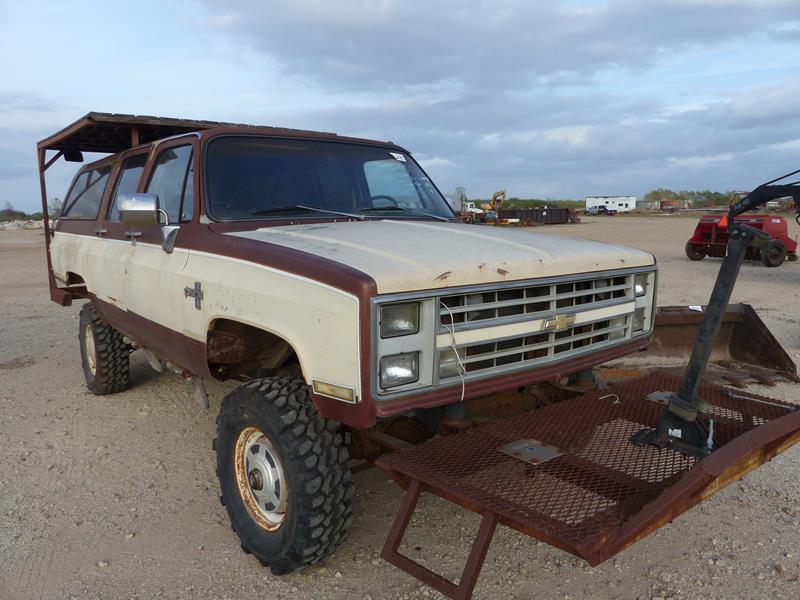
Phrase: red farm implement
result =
(711, 239)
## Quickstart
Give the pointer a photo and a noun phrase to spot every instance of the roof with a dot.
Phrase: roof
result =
(112, 133)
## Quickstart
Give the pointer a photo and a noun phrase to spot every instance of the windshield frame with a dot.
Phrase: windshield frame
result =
(308, 215)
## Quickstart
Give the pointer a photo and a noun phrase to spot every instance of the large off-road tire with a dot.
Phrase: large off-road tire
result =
(695, 251)
(773, 254)
(283, 473)
(104, 354)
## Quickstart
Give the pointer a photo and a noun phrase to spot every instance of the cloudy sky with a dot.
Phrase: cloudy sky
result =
(553, 99)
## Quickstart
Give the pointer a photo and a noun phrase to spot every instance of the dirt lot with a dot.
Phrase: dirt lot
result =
(116, 497)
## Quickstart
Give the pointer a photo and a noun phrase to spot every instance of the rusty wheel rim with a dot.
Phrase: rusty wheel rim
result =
(260, 478)
(88, 346)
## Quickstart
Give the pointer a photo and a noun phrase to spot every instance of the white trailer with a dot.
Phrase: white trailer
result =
(612, 203)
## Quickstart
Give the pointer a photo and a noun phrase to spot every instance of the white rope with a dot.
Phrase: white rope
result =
(452, 330)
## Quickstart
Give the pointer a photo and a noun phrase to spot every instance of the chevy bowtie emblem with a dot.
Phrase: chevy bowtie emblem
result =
(560, 323)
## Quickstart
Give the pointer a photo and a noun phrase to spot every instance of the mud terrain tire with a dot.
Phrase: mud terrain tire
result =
(104, 354)
(308, 513)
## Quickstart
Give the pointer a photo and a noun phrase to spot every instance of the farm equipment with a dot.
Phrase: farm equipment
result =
(711, 239)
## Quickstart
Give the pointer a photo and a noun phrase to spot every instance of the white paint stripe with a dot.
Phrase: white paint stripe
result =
(222, 257)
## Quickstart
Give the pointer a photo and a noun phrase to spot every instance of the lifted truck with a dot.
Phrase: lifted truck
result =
(330, 276)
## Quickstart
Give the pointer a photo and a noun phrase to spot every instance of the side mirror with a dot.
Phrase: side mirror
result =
(139, 209)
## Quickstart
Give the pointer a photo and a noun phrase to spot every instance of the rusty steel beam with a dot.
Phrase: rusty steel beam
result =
(472, 567)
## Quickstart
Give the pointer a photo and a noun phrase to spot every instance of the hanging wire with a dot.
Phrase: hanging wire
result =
(462, 371)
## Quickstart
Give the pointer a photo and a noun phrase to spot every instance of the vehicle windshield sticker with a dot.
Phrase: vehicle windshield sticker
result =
(398, 156)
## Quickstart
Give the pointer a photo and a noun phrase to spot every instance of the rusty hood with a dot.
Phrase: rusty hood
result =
(406, 255)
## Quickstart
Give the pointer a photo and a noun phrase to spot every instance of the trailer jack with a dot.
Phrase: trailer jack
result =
(684, 424)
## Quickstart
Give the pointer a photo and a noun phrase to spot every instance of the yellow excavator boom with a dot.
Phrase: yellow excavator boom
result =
(497, 201)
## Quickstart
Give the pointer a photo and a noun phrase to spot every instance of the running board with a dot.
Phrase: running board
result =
(568, 475)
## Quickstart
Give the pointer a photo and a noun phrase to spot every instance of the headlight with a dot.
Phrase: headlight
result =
(399, 319)
(399, 369)
(638, 320)
(640, 285)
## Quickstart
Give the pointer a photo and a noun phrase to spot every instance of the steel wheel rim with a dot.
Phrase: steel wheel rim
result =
(88, 346)
(260, 478)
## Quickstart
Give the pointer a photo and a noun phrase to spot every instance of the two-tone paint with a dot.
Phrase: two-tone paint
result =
(311, 282)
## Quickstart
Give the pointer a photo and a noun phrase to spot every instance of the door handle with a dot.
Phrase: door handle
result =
(100, 232)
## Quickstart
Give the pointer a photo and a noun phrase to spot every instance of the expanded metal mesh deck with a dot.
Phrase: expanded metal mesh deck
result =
(583, 500)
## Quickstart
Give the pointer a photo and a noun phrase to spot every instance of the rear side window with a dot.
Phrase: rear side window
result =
(127, 182)
(172, 183)
(83, 201)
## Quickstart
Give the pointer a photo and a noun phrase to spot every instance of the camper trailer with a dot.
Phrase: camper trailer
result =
(612, 204)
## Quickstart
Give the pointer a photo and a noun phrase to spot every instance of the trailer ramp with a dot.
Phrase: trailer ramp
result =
(568, 475)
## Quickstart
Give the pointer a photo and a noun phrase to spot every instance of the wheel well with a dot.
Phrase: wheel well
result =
(239, 351)
(74, 279)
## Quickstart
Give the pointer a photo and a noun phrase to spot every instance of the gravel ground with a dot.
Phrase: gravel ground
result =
(116, 497)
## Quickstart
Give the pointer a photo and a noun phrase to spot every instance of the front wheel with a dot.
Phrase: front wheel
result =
(773, 254)
(695, 251)
(283, 473)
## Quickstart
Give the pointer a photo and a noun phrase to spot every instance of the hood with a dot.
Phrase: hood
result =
(404, 256)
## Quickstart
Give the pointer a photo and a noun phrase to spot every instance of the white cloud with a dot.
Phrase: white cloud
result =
(700, 161)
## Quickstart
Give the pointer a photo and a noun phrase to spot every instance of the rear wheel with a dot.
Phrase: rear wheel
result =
(283, 473)
(695, 251)
(773, 254)
(104, 354)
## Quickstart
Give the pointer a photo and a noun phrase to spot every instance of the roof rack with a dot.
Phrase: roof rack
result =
(111, 133)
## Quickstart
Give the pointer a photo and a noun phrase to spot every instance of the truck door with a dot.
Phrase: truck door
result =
(118, 247)
(154, 278)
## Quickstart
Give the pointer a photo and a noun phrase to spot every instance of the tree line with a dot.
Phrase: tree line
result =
(9, 213)
(697, 199)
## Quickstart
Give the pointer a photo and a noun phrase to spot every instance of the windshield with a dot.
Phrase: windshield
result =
(260, 178)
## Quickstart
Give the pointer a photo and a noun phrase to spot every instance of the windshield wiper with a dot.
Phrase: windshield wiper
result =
(296, 207)
(403, 209)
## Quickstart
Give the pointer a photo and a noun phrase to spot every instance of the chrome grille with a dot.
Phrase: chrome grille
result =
(526, 302)
(537, 348)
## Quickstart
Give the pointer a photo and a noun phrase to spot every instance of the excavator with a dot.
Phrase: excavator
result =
(496, 202)
(491, 209)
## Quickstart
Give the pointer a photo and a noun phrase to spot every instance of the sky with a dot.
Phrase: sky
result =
(556, 99)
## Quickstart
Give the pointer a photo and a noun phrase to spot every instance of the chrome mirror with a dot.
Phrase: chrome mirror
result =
(139, 209)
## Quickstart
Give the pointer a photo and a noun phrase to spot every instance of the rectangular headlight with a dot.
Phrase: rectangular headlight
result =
(640, 285)
(399, 319)
(399, 369)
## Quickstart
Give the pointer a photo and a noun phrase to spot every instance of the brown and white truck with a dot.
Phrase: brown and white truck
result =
(330, 276)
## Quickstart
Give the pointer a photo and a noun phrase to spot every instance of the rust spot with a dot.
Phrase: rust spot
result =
(502, 271)
(443, 276)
